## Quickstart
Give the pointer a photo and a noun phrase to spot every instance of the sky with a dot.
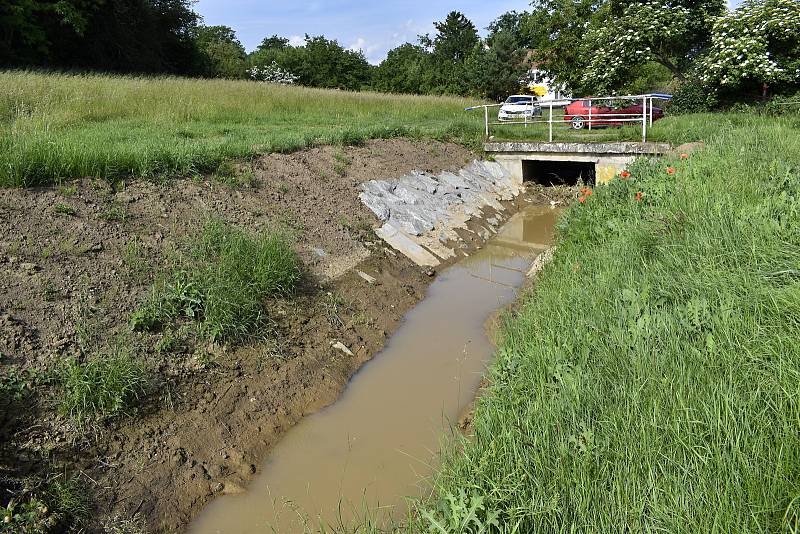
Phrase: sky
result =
(373, 27)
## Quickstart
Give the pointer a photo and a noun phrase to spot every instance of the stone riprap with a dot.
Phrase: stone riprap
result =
(420, 212)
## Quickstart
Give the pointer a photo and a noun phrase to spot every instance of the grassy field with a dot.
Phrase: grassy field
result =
(675, 130)
(56, 127)
(650, 381)
(59, 127)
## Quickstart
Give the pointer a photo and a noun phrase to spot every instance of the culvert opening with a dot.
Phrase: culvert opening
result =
(562, 172)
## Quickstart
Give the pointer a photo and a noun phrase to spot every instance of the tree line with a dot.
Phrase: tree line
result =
(696, 47)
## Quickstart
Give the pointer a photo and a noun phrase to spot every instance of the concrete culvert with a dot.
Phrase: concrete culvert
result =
(558, 172)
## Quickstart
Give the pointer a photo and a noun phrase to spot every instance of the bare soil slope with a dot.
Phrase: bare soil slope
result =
(76, 261)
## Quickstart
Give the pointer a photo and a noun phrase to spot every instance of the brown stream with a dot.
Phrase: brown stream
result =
(378, 443)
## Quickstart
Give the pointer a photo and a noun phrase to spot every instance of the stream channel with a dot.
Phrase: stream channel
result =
(378, 444)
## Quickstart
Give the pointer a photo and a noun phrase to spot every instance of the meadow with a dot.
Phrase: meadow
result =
(58, 127)
(55, 127)
(650, 380)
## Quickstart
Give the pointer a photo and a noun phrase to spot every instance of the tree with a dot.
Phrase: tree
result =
(224, 56)
(495, 71)
(140, 36)
(508, 23)
(274, 43)
(554, 30)
(405, 70)
(272, 74)
(455, 38)
(27, 27)
(319, 62)
(670, 34)
(757, 45)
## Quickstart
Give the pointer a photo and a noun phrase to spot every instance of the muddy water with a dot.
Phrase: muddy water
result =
(377, 444)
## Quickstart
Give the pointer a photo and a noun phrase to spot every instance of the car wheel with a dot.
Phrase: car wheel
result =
(577, 123)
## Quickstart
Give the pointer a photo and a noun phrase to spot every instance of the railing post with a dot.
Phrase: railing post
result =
(651, 111)
(486, 119)
(550, 124)
(644, 119)
(590, 115)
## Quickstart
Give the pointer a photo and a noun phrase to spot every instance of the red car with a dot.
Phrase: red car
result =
(577, 114)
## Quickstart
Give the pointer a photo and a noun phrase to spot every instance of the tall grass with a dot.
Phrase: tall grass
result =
(103, 387)
(672, 129)
(650, 381)
(55, 127)
(222, 283)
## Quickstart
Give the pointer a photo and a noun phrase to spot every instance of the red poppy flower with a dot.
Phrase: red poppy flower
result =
(684, 155)
(582, 200)
(670, 170)
(624, 174)
(589, 192)
(639, 196)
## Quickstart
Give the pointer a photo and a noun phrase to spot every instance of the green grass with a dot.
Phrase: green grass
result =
(103, 387)
(55, 127)
(671, 129)
(650, 381)
(222, 283)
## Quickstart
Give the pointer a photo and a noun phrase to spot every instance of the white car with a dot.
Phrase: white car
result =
(519, 107)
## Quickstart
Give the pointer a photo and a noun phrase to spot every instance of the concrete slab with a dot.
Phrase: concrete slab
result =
(405, 245)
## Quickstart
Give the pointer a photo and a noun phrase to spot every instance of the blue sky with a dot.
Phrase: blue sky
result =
(371, 26)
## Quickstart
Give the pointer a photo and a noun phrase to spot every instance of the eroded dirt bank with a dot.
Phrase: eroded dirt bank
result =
(77, 260)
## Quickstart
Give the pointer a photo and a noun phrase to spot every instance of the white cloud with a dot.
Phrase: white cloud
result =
(369, 49)
(296, 40)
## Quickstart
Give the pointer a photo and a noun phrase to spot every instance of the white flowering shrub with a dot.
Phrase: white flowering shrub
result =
(757, 43)
(272, 73)
(646, 31)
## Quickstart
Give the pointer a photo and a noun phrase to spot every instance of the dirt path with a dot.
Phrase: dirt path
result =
(77, 260)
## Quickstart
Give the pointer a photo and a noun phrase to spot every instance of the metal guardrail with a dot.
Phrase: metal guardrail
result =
(645, 119)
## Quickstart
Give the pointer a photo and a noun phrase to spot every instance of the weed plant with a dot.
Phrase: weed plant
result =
(38, 506)
(222, 283)
(103, 387)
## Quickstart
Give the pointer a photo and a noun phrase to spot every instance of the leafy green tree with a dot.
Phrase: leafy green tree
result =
(319, 62)
(455, 38)
(273, 49)
(495, 71)
(406, 69)
(510, 23)
(27, 26)
(223, 54)
(755, 46)
(554, 31)
(112, 35)
(633, 33)
(274, 43)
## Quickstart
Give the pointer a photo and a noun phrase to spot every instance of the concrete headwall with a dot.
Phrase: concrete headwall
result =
(608, 158)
